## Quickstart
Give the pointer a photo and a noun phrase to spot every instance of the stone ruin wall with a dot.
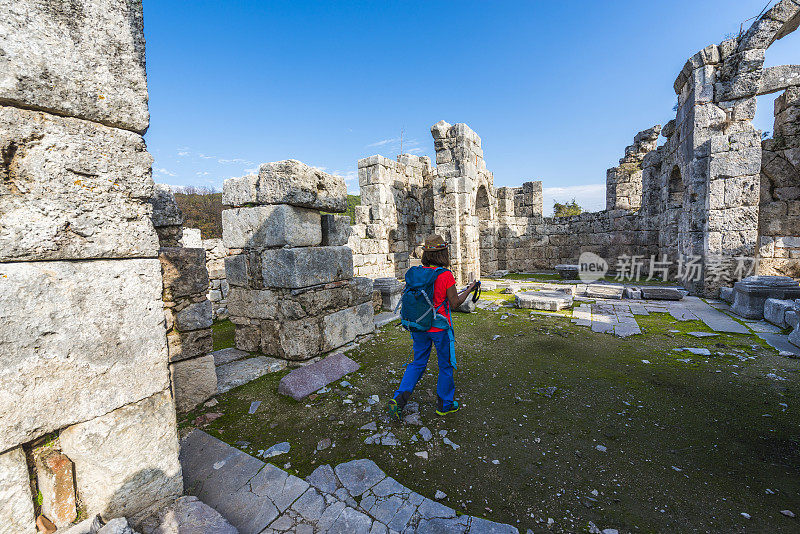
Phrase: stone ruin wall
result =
(293, 292)
(704, 192)
(218, 288)
(85, 405)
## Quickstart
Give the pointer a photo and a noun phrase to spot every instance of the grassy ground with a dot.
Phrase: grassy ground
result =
(689, 445)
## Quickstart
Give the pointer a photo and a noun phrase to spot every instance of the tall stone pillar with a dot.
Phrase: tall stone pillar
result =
(83, 353)
(292, 291)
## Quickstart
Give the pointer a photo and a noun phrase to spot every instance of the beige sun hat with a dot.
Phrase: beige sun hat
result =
(435, 242)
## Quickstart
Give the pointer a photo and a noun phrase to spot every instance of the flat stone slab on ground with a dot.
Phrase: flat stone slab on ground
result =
(661, 293)
(237, 373)
(223, 356)
(385, 318)
(306, 380)
(543, 300)
(779, 342)
(605, 291)
(713, 318)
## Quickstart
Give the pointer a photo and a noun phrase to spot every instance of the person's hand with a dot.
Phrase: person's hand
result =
(473, 286)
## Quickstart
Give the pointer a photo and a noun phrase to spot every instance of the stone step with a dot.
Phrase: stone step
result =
(239, 372)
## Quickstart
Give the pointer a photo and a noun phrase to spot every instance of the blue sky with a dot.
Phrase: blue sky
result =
(556, 90)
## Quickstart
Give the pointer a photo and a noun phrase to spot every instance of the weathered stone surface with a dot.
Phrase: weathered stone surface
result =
(543, 300)
(184, 271)
(302, 267)
(184, 345)
(165, 209)
(775, 311)
(342, 327)
(223, 356)
(56, 484)
(288, 182)
(195, 316)
(568, 272)
(661, 293)
(604, 291)
(193, 381)
(240, 372)
(359, 475)
(191, 238)
(118, 525)
(391, 291)
(16, 501)
(81, 59)
(306, 380)
(190, 515)
(87, 330)
(126, 461)
(324, 479)
(335, 229)
(271, 226)
(751, 294)
(726, 294)
(72, 189)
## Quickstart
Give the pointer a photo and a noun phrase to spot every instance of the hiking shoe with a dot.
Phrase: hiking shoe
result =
(454, 408)
(395, 411)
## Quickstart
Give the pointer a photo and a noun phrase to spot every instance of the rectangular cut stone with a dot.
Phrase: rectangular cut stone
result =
(750, 294)
(126, 461)
(184, 271)
(661, 293)
(185, 345)
(56, 484)
(193, 381)
(16, 501)
(342, 327)
(271, 226)
(306, 380)
(288, 182)
(81, 59)
(165, 210)
(604, 291)
(775, 311)
(195, 316)
(543, 300)
(303, 267)
(72, 189)
(77, 339)
(335, 229)
(292, 340)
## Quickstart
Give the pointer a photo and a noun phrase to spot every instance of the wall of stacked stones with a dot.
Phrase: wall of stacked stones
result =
(395, 215)
(779, 211)
(292, 290)
(216, 252)
(85, 402)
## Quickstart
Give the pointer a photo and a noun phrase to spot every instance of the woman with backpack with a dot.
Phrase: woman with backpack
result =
(427, 301)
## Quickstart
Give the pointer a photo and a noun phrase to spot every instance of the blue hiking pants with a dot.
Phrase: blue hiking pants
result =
(446, 388)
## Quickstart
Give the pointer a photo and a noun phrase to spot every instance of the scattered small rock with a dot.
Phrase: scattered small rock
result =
(601, 448)
(745, 515)
(44, 525)
(422, 454)
(412, 419)
(496, 337)
(547, 392)
(344, 384)
(496, 462)
(205, 419)
(372, 427)
(443, 433)
(425, 433)
(211, 403)
(645, 361)
(323, 444)
(374, 399)
(253, 407)
(440, 495)
(787, 513)
(275, 450)
(447, 441)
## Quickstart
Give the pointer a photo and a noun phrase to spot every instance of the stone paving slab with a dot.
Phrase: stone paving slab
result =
(763, 327)
(239, 372)
(223, 356)
(354, 497)
(384, 318)
(306, 380)
(779, 342)
(713, 318)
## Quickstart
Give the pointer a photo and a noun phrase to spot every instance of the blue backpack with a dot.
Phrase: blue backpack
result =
(417, 313)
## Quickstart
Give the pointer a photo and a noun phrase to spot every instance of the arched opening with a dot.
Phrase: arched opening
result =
(675, 188)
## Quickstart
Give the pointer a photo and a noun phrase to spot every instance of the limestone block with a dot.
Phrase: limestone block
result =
(302, 267)
(335, 230)
(291, 340)
(342, 327)
(306, 380)
(661, 293)
(81, 59)
(54, 479)
(126, 461)
(191, 238)
(543, 300)
(271, 226)
(184, 345)
(165, 210)
(775, 311)
(195, 316)
(72, 189)
(183, 271)
(193, 381)
(253, 303)
(288, 182)
(16, 501)
(93, 331)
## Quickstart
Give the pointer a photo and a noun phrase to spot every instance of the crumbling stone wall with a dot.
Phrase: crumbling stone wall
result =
(395, 215)
(779, 213)
(292, 294)
(624, 183)
(83, 351)
(216, 252)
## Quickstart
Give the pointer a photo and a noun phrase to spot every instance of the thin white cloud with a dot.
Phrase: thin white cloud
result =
(204, 156)
(383, 142)
(591, 197)
(183, 153)
(252, 170)
(234, 160)
(162, 170)
(202, 173)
